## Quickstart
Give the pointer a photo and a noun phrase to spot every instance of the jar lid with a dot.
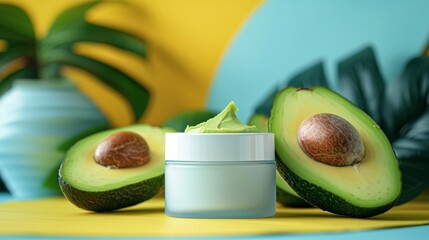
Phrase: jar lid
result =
(204, 147)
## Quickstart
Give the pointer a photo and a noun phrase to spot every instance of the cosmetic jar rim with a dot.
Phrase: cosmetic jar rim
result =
(210, 147)
(218, 134)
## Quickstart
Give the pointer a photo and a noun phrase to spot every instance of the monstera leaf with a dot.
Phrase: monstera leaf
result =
(401, 109)
(43, 58)
(26, 56)
(360, 81)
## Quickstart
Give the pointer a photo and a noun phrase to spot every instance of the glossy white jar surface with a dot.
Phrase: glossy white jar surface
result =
(222, 175)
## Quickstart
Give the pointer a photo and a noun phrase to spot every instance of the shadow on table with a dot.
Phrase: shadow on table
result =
(393, 215)
(133, 211)
(409, 215)
(311, 214)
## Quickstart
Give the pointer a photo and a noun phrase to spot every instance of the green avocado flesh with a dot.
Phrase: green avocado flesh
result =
(361, 190)
(284, 193)
(94, 187)
(260, 122)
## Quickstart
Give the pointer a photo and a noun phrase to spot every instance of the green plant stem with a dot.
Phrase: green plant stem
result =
(32, 61)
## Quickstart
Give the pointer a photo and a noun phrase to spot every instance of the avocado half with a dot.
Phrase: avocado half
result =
(366, 189)
(287, 196)
(284, 193)
(94, 187)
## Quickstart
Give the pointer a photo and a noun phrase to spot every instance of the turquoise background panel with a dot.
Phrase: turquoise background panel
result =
(285, 36)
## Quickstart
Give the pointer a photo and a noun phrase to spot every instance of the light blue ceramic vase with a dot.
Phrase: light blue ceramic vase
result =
(35, 117)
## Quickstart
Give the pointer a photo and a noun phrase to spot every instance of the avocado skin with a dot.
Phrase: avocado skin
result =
(113, 199)
(325, 200)
(289, 200)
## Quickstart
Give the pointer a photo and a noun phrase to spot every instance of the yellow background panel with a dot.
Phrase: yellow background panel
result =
(186, 41)
(58, 217)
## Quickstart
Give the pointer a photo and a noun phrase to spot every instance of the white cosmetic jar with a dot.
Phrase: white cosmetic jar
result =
(220, 175)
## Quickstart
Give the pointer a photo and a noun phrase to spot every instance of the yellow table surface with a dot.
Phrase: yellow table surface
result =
(58, 217)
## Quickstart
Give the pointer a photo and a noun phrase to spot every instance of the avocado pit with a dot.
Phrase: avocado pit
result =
(122, 150)
(330, 139)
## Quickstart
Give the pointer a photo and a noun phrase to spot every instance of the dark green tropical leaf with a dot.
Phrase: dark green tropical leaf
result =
(413, 155)
(406, 115)
(15, 24)
(71, 17)
(360, 81)
(2, 186)
(310, 77)
(180, 121)
(136, 94)
(99, 34)
(12, 37)
(14, 53)
(265, 106)
(407, 98)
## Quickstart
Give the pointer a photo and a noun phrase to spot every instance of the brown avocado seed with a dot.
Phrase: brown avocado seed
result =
(330, 139)
(122, 150)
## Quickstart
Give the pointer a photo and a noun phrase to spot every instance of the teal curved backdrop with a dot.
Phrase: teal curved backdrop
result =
(285, 36)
